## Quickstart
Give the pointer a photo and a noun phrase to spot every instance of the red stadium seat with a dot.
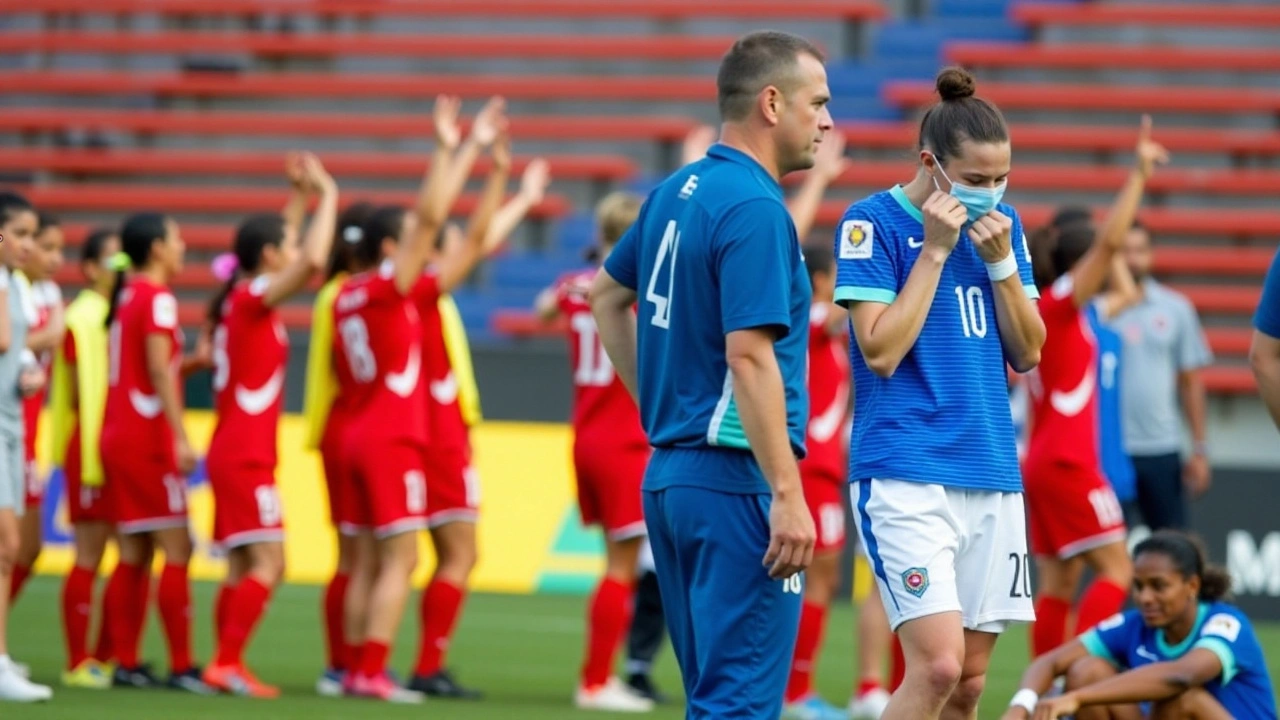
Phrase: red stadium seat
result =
(1223, 299)
(197, 236)
(1085, 56)
(214, 162)
(399, 126)
(1229, 380)
(362, 85)
(1081, 97)
(1229, 341)
(1249, 262)
(1208, 14)
(598, 47)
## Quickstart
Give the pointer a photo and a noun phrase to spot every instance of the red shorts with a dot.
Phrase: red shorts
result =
(246, 504)
(1071, 509)
(453, 486)
(825, 497)
(609, 481)
(147, 491)
(388, 487)
(337, 478)
(84, 503)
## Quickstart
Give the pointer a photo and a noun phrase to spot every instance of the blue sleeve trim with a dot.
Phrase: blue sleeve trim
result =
(1225, 655)
(847, 294)
(756, 320)
(1031, 291)
(1093, 643)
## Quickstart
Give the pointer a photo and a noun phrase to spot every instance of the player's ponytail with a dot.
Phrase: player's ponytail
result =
(958, 116)
(252, 237)
(139, 232)
(1188, 556)
(350, 232)
(383, 224)
(1057, 248)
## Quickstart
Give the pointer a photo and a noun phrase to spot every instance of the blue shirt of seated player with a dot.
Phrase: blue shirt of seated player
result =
(1181, 639)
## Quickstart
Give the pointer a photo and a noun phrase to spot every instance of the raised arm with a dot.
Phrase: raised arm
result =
(315, 248)
(533, 187)
(829, 164)
(1149, 683)
(295, 208)
(459, 259)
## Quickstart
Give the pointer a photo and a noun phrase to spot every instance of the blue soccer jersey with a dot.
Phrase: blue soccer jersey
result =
(1267, 318)
(714, 250)
(1243, 688)
(944, 416)
(1117, 466)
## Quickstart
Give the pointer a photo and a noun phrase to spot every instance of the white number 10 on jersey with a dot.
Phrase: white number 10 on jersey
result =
(662, 303)
(973, 311)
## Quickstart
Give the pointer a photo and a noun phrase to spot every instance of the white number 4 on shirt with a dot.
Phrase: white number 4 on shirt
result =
(662, 304)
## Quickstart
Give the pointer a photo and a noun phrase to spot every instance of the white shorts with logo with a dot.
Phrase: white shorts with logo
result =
(937, 549)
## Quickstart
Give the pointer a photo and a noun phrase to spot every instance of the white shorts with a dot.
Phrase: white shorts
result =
(936, 549)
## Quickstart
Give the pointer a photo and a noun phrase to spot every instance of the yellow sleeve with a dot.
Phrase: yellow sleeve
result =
(459, 350)
(320, 387)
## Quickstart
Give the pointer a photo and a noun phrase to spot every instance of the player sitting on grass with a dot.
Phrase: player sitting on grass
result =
(1182, 653)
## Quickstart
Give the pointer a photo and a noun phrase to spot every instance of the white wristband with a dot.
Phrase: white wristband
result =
(1026, 698)
(1007, 267)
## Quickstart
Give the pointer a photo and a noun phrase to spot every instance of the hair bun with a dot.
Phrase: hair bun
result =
(955, 83)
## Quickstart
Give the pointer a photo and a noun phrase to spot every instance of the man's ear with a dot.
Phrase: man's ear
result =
(771, 102)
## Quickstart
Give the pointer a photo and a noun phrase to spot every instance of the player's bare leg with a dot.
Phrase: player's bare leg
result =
(607, 621)
(1056, 583)
(254, 571)
(30, 543)
(934, 647)
(441, 606)
(874, 638)
(1089, 670)
(963, 703)
(1194, 704)
(1106, 595)
(83, 670)
(174, 599)
(14, 685)
(397, 558)
(820, 582)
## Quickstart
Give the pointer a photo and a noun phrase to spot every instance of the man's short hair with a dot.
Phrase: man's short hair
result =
(757, 60)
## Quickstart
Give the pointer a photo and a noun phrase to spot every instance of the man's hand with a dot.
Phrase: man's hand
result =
(791, 535)
(1197, 475)
(943, 218)
(990, 235)
(445, 118)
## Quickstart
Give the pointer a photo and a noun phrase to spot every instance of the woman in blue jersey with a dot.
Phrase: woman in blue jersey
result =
(937, 279)
(1182, 653)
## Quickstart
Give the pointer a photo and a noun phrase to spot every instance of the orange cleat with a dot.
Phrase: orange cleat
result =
(237, 680)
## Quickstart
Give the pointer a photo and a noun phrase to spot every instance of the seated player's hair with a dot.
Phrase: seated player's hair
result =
(349, 231)
(44, 221)
(91, 250)
(12, 203)
(139, 232)
(756, 61)
(252, 237)
(615, 214)
(382, 224)
(1188, 556)
(958, 116)
(819, 258)
(1056, 248)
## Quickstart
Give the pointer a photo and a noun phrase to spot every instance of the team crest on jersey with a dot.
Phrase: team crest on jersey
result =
(856, 240)
(915, 580)
(1222, 625)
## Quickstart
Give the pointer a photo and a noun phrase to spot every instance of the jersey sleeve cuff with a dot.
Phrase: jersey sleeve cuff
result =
(781, 321)
(1092, 643)
(1031, 291)
(1225, 655)
(846, 294)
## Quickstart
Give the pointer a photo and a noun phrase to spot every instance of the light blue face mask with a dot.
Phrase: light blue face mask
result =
(977, 201)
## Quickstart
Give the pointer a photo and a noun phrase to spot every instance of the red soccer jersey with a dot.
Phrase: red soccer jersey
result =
(446, 426)
(378, 358)
(250, 348)
(1063, 389)
(133, 413)
(45, 295)
(603, 410)
(829, 382)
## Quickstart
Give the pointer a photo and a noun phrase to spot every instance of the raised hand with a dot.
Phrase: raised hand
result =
(991, 236)
(1149, 153)
(501, 148)
(943, 218)
(696, 143)
(295, 171)
(445, 117)
(536, 179)
(830, 161)
(490, 121)
(317, 177)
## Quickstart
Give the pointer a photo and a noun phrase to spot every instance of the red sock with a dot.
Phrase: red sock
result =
(221, 606)
(867, 686)
(77, 611)
(247, 603)
(441, 605)
(897, 665)
(335, 598)
(808, 637)
(1102, 600)
(607, 621)
(121, 610)
(174, 597)
(373, 658)
(17, 580)
(1050, 628)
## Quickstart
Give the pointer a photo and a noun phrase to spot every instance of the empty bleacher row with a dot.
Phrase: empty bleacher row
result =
(188, 105)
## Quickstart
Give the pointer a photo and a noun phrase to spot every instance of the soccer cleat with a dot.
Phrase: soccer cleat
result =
(613, 696)
(22, 669)
(16, 688)
(380, 687)
(442, 685)
(89, 675)
(641, 684)
(189, 681)
(870, 705)
(237, 680)
(812, 707)
(329, 684)
(137, 677)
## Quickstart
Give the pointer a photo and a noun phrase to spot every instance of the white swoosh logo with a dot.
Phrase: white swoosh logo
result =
(914, 243)
(824, 427)
(1072, 403)
(403, 383)
(148, 406)
(256, 402)
(1144, 653)
(445, 391)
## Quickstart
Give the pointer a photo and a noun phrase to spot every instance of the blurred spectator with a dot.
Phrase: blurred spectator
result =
(1164, 350)
(1264, 354)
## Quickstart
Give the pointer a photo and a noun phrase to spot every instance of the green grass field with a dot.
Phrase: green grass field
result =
(522, 650)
